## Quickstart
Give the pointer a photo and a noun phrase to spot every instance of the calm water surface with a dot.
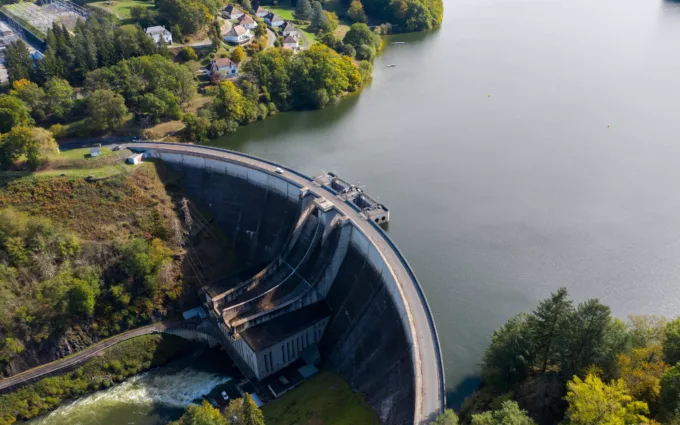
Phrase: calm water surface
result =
(490, 142)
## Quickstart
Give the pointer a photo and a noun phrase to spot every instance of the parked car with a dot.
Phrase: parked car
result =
(225, 396)
(279, 170)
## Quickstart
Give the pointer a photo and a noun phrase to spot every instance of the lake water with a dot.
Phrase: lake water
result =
(524, 146)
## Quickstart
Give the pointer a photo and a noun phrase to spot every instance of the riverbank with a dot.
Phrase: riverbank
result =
(112, 366)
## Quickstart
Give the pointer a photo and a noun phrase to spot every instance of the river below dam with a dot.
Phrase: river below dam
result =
(523, 146)
(152, 398)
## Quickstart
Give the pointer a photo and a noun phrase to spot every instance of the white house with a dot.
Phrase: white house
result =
(232, 12)
(288, 28)
(157, 32)
(261, 12)
(247, 22)
(274, 20)
(237, 35)
(223, 68)
(290, 42)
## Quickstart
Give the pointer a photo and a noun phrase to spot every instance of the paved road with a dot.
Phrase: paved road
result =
(429, 368)
(84, 355)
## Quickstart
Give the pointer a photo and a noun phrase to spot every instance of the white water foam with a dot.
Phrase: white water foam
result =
(137, 395)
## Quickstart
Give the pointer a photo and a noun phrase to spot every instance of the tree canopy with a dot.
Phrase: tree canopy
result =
(106, 110)
(592, 402)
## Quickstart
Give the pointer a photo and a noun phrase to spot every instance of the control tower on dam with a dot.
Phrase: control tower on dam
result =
(321, 279)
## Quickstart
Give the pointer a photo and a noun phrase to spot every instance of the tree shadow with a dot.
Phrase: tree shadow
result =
(456, 396)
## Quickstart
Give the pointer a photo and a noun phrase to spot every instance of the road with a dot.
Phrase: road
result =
(84, 355)
(430, 396)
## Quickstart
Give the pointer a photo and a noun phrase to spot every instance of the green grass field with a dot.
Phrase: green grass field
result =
(78, 153)
(323, 400)
(121, 8)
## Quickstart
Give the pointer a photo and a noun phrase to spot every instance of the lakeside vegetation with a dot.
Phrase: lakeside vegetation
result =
(577, 365)
(112, 366)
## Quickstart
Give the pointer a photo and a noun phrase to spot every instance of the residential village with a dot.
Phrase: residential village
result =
(207, 66)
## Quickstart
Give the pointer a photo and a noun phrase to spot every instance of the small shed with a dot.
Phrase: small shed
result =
(95, 152)
(135, 159)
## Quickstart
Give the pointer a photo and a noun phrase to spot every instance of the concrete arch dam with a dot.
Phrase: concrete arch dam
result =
(319, 277)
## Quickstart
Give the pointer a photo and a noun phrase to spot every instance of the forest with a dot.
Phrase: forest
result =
(577, 365)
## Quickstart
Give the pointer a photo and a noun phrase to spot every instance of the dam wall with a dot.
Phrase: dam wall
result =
(381, 337)
(255, 210)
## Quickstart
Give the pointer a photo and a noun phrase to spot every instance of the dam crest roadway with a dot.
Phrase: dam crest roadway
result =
(399, 283)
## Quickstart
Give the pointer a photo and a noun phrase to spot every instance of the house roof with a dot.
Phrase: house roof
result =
(223, 62)
(246, 19)
(274, 17)
(288, 26)
(289, 39)
(158, 29)
(263, 336)
(261, 9)
(237, 31)
(231, 9)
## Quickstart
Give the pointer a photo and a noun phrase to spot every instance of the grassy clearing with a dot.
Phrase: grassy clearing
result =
(287, 14)
(323, 400)
(83, 153)
(121, 9)
(115, 208)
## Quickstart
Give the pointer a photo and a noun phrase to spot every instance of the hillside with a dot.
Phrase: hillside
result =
(89, 247)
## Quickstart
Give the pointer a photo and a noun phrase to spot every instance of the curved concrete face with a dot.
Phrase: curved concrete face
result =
(312, 256)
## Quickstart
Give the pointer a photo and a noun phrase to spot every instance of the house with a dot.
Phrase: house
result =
(159, 32)
(247, 22)
(274, 20)
(135, 159)
(261, 12)
(289, 28)
(290, 42)
(223, 68)
(95, 152)
(232, 12)
(237, 35)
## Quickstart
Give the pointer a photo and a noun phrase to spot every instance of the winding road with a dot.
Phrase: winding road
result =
(84, 355)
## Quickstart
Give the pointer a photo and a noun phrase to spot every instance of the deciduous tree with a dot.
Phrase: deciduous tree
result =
(671, 344)
(356, 12)
(508, 414)
(13, 112)
(592, 402)
(60, 97)
(238, 55)
(32, 95)
(447, 418)
(106, 110)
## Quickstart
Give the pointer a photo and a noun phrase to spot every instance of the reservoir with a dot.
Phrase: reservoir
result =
(523, 146)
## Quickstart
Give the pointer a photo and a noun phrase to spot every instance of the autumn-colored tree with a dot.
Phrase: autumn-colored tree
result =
(356, 11)
(593, 402)
(641, 371)
(238, 55)
(447, 418)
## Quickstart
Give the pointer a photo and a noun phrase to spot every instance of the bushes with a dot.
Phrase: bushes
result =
(114, 365)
